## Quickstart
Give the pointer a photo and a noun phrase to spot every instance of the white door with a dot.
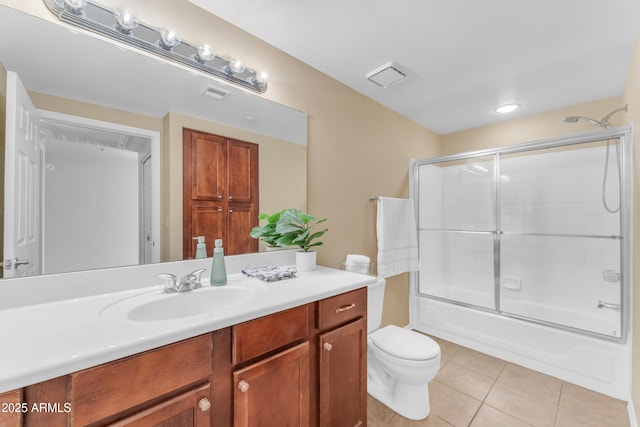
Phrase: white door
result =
(22, 203)
(147, 212)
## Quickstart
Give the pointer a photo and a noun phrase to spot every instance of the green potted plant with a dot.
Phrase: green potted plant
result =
(299, 229)
(267, 232)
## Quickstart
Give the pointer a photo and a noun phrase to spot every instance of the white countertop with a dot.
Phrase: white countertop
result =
(45, 340)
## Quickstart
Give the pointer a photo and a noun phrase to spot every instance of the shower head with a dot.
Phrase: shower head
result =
(574, 119)
(603, 123)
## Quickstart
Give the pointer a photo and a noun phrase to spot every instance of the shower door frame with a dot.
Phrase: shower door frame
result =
(624, 136)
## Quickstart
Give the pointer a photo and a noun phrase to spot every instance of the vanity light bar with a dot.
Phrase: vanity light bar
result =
(101, 20)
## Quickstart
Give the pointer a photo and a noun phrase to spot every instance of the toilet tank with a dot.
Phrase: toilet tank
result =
(375, 299)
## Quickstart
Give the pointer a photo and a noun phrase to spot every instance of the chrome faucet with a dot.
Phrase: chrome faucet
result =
(186, 283)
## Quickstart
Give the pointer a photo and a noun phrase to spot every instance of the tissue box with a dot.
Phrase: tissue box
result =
(359, 268)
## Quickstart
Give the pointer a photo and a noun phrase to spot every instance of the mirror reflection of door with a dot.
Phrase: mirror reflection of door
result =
(147, 239)
(220, 192)
(69, 174)
(23, 171)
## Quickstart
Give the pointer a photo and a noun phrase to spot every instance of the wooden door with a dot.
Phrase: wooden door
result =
(243, 168)
(23, 172)
(274, 391)
(343, 376)
(242, 218)
(220, 178)
(12, 408)
(203, 190)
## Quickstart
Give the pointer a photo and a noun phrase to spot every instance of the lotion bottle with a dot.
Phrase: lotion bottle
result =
(201, 247)
(218, 270)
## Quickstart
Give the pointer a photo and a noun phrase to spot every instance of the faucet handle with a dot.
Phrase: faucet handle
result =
(197, 275)
(170, 282)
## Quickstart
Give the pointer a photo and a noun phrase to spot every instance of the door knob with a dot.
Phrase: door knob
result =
(243, 386)
(204, 404)
(327, 346)
(10, 264)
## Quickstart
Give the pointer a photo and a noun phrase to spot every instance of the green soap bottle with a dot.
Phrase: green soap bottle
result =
(218, 270)
(201, 247)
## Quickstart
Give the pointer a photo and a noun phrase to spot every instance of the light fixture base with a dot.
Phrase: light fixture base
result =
(100, 19)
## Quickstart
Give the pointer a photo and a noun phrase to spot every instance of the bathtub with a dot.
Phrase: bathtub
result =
(597, 364)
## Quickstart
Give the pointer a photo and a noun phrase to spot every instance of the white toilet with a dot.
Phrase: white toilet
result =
(400, 362)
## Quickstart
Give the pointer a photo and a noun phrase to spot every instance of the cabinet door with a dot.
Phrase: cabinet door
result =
(242, 161)
(12, 409)
(189, 409)
(204, 162)
(343, 376)
(242, 218)
(274, 391)
(209, 221)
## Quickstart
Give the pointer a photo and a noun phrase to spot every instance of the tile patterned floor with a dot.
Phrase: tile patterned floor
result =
(477, 390)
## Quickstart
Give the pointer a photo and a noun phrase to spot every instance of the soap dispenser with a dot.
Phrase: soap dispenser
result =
(218, 270)
(201, 247)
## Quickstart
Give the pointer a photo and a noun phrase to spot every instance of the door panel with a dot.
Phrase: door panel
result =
(23, 171)
(274, 391)
(243, 167)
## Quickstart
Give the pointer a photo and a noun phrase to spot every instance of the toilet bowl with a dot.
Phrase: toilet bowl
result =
(400, 362)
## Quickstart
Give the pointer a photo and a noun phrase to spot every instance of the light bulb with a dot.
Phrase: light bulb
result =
(236, 65)
(261, 78)
(507, 108)
(75, 6)
(169, 38)
(125, 21)
(205, 53)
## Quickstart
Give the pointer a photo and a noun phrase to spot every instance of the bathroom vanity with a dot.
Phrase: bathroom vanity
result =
(294, 353)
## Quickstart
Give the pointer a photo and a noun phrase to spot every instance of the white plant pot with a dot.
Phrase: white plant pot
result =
(306, 261)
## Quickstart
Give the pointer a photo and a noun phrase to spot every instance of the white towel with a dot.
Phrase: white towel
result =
(397, 237)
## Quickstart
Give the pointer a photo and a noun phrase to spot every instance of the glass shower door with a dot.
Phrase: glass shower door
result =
(560, 242)
(457, 230)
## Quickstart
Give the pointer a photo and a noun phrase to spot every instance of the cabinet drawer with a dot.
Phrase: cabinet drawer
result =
(191, 408)
(256, 337)
(342, 308)
(114, 387)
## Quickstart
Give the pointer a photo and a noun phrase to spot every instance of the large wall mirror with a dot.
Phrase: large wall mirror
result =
(110, 120)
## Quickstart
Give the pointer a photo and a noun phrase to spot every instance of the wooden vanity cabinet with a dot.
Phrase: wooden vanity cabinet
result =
(166, 386)
(302, 367)
(11, 409)
(342, 360)
(305, 366)
(271, 369)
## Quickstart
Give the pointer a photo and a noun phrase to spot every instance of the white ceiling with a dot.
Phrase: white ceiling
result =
(463, 58)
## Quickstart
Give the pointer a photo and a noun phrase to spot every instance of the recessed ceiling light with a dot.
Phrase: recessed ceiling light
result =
(507, 108)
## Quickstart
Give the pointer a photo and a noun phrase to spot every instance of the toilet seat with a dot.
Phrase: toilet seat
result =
(404, 344)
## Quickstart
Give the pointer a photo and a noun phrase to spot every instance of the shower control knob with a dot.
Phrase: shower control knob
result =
(327, 346)
(243, 386)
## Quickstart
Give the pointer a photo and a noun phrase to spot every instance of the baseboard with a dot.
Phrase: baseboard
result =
(633, 421)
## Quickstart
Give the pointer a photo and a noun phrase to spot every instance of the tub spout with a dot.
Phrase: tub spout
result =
(609, 306)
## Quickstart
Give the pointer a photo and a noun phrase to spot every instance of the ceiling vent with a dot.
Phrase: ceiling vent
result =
(216, 93)
(386, 76)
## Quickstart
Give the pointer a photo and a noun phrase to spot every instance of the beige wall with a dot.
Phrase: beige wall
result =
(632, 97)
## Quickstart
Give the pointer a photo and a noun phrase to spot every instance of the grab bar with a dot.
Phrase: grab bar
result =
(609, 306)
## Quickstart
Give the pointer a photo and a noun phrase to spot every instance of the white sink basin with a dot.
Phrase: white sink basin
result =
(154, 306)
